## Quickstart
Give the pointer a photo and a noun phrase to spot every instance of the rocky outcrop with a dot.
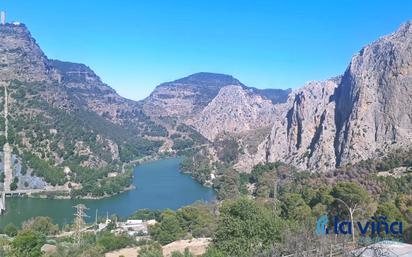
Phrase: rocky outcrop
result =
(364, 114)
(303, 133)
(187, 96)
(373, 103)
(20, 56)
(233, 110)
(65, 111)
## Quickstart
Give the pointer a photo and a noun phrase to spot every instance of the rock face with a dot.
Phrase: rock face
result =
(61, 110)
(233, 110)
(373, 102)
(20, 57)
(187, 96)
(302, 132)
(365, 113)
(214, 103)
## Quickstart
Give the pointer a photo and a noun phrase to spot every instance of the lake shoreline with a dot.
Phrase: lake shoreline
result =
(159, 185)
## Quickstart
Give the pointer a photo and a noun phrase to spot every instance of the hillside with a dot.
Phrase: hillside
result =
(69, 128)
(62, 117)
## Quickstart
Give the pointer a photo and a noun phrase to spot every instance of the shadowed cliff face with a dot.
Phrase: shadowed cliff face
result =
(373, 110)
(363, 114)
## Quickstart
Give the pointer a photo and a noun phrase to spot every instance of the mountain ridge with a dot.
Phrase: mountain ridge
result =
(361, 114)
(365, 115)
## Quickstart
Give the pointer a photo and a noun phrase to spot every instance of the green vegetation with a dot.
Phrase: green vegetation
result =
(109, 242)
(245, 228)
(27, 243)
(52, 174)
(196, 220)
(151, 250)
(49, 133)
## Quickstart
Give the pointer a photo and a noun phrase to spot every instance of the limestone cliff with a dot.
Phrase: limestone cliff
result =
(233, 110)
(373, 103)
(364, 114)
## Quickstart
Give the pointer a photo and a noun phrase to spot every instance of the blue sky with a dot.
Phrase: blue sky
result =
(135, 45)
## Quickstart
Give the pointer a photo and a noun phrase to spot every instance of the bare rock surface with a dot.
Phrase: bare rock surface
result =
(363, 114)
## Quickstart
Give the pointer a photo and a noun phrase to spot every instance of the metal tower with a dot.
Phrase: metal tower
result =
(3, 17)
(79, 222)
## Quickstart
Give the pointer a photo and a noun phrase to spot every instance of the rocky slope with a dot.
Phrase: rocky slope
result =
(63, 115)
(373, 102)
(233, 110)
(186, 96)
(213, 104)
(364, 114)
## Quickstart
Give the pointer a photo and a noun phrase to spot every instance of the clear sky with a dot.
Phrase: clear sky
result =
(134, 45)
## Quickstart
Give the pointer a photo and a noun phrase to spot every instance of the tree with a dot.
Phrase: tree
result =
(186, 253)
(295, 208)
(198, 220)
(109, 242)
(404, 203)
(152, 250)
(168, 229)
(266, 184)
(245, 228)
(390, 211)
(146, 214)
(10, 230)
(228, 184)
(43, 225)
(212, 251)
(351, 198)
(28, 243)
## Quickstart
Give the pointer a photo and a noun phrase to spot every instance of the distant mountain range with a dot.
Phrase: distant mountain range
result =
(63, 114)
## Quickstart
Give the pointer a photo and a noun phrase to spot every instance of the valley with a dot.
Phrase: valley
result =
(205, 157)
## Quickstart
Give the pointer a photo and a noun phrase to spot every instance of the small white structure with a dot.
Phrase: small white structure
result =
(133, 227)
(384, 249)
(3, 17)
(112, 174)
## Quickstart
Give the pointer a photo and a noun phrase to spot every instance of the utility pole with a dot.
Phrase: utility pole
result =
(95, 220)
(79, 222)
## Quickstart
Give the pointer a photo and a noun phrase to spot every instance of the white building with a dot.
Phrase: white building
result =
(384, 249)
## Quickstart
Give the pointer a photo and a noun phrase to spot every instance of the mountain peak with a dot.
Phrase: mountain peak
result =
(209, 79)
(21, 57)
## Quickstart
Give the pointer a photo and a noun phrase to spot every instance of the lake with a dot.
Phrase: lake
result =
(159, 185)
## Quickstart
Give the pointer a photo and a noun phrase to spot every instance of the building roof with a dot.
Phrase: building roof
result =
(385, 249)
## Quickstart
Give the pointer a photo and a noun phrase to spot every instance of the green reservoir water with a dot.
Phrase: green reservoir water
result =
(159, 185)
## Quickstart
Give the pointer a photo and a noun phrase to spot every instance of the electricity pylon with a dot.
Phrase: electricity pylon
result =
(79, 221)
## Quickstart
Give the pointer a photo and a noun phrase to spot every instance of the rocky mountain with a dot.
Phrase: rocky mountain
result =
(64, 120)
(63, 117)
(214, 103)
(233, 110)
(363, 114)
(184, 97)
